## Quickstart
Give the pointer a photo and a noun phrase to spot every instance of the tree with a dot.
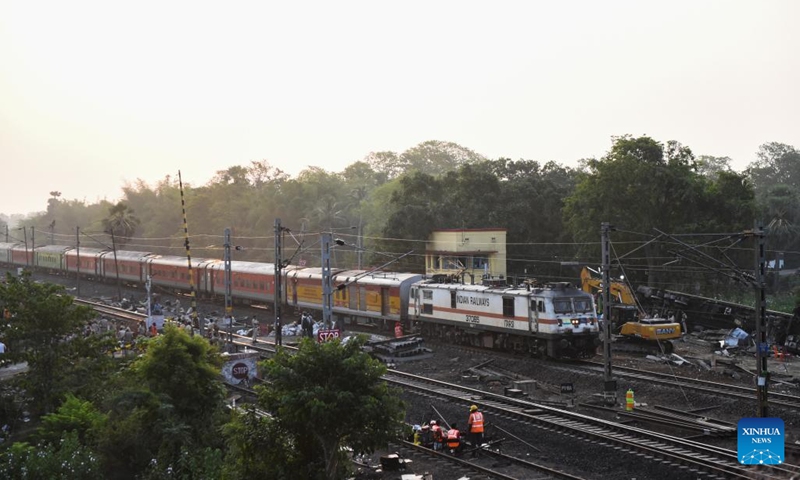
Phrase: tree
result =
(436, 157)
(640, 185)
(433, 157)
(168, 411)
(258, 447)
(184, 370)
(711, 167)
(778, 163)
(52, 202)
(262, 173)
(45, 332)
(74, 415)
(414, 209)
(776, 179)
(122, 222)
(530, 206)
(325, 397)
(387, 164)
(67, 459)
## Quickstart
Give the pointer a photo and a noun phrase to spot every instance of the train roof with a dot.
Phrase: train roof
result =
(477, 288)
(53, 248)
(129, 255)
(376, 277)
(179, 261)
(7, 245)
(312, 272)
(86, 252)
(544, 289)
(248, 267)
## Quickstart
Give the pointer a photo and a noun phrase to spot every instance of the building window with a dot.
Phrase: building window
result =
(479, 263)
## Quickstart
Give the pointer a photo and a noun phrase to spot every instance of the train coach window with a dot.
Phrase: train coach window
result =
(427, 294)
(427, 308)
(508, 306)
(453, 299)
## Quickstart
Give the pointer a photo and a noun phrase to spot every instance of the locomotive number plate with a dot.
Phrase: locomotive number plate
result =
(473, 319)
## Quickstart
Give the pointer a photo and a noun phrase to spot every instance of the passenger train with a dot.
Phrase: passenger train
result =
(555, 320)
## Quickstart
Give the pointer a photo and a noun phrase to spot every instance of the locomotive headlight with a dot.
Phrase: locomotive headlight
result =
(576, 322)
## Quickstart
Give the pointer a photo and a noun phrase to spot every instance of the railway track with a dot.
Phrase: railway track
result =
(717, 388)
(727, 390)
(119, 313)
(466, 465)
(694, 457)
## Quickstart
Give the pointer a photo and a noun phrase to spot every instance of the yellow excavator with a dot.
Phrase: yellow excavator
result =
(632, 329)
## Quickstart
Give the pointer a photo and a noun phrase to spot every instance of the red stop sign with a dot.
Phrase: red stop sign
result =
(240, 371)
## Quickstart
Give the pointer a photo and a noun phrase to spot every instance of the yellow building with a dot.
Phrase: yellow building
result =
(475, 251)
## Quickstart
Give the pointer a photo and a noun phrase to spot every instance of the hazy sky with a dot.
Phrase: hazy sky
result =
(96, 94)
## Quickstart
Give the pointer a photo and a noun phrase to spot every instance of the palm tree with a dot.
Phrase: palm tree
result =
(121, 222)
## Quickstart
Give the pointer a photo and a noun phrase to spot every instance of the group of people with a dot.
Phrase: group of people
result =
(432, 435)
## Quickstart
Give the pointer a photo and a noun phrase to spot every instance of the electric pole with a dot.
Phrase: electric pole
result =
(195, 320)
(609, 384)
(25, 236)
(327, 291)
(278, 280)
(228, 301)
(116, 266)
(762, 348)
(78, 259)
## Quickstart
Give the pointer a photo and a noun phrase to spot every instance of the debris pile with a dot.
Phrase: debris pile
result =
(396, 350)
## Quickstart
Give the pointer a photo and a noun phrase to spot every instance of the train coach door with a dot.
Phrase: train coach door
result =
(384, 301)
(415, 301)
(533, 314)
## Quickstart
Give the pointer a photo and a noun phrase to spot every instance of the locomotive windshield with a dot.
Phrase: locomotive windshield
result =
(572, 305)
(582, 305)
(562, 305)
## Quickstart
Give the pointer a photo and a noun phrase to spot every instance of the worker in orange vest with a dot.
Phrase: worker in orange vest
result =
(475, 423)
(438, 436)
(453, 440)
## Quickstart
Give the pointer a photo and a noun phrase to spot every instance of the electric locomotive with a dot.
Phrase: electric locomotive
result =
(551, 319)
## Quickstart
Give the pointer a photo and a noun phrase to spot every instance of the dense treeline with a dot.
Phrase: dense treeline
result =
(393, 201)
